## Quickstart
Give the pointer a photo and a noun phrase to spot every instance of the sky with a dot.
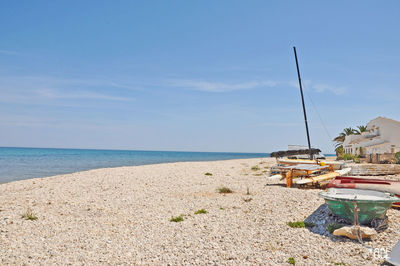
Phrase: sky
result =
(194, 75)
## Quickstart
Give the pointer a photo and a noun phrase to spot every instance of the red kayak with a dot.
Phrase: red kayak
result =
(391, 186)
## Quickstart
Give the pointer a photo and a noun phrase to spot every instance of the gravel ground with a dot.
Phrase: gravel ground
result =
(122, 216)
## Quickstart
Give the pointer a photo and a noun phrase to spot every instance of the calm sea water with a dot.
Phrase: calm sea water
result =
(25, 163)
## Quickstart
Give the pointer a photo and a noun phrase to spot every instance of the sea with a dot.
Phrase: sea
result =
(26, 163)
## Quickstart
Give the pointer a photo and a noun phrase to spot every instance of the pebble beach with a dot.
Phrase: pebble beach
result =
(123, 216)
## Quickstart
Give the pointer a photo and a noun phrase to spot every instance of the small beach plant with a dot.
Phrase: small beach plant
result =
(255, 168)
(248, 191)
(339, 263)
(247, 199)
(209, 174)
(201, 211)
(29, 215)
(176, 219)
(292, 261)
(300, 224)
(225, 190)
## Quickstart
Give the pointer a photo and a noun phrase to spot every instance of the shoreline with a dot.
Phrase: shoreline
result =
(25, 163)
(124, 166)
(122, 215)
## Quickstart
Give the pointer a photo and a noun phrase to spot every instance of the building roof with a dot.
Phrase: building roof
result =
(376, 145)
(384, 118)
(363, 139)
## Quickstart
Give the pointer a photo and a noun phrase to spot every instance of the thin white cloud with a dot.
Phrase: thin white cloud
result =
(319, 87)
(201, 85)
(41, 89)
(57, 94)
(338, 90)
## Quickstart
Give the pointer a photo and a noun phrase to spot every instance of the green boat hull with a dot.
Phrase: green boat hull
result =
(367, 211)
(370, 204)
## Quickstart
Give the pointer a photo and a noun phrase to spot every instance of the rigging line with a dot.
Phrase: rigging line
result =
(319, 115)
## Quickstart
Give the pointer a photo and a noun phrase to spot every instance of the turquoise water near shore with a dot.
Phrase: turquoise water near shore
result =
(25, 163)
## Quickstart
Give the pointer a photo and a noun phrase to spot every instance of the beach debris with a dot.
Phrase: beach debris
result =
(354, 231)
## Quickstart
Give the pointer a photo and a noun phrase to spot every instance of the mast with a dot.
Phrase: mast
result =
(302, 100)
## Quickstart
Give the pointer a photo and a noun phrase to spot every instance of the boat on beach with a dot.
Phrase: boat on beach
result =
(390, 186)
(358, 205)
(335, 165)
(320, 179)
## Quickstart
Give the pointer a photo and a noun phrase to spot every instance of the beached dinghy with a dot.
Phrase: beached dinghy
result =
(321, 178)
(391, 186)
(370, 204)
(335, 165)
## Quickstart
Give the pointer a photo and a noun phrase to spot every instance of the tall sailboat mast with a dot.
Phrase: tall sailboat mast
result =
(302, 100)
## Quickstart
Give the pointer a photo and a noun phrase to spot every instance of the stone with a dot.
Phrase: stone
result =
(352, 231)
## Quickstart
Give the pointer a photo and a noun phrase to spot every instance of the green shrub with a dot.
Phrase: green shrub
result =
(225, 190)
(351, 157)
(300, 224)
(29, 215)
(208, 174)
(176, 219)
(201, 211)
(255, 168)
(348, 156)
(397, 157)
(339, 152)
(292, 261)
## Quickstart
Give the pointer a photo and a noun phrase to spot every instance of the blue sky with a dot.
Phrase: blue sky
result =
(194, 75)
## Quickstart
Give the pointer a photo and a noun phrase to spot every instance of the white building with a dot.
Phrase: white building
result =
(381, 138)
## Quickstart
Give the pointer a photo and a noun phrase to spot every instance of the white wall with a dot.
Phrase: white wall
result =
(388, 129)
(380, 130)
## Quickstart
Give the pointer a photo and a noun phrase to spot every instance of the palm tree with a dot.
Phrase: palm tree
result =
(346, 132)
(340, 139)
(360, 130)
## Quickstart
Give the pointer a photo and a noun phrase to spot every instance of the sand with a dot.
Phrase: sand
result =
(122, 216)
